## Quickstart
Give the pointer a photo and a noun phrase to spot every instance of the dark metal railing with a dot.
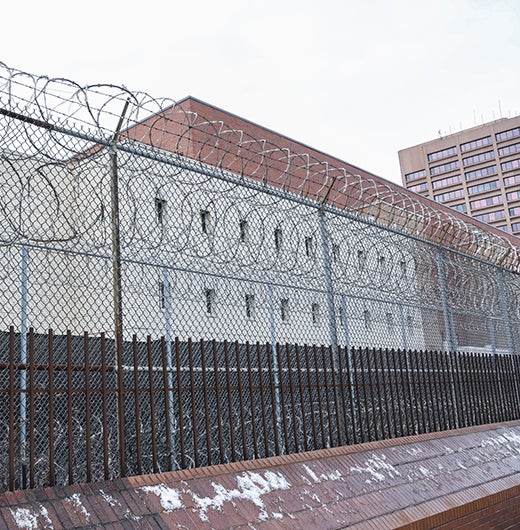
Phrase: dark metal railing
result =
(71, 413)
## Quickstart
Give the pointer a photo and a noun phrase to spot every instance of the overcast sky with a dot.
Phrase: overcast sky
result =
(359, 79)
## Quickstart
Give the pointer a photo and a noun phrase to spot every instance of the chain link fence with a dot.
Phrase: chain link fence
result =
(122, 216)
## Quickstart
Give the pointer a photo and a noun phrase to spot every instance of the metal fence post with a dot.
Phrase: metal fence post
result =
(491, 329)
(451, 337)
(169, 359)
(325, 251)
(23, 359)
(505, 311)
(274, 361)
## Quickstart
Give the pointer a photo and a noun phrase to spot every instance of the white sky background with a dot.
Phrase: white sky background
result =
(356, 79)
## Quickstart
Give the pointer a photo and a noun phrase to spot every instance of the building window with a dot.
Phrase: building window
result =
(436, 170)
(250, 306)
(512, 164)
(309, 247)
(284, 309)
(402, 265)
(476, 159)
(484, 172)
(336, 252)
(515, 227)
(410, 323)
(450, 195)
(460, 207)
(244, 231)
(162, 294)
(415, 175)
(205, 221)
(381, 262)
(160, 211)
(510, 181)
(278, 240)
(513, 196)
(507, 135)
(449, 181)
(315, 311)
(475, 144)
(493, 185)
(484, 203)
(390, 322)
(209, 297)
(509, 150)
(419, 187)
(493, 216)
(451, 151)
(367, 319)
(361, 258)
(513, 212)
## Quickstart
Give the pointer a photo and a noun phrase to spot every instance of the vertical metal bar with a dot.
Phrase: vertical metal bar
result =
(354, 399)
(275, 389)
(206, 403)
(252, 400)
(505, 311)
(151, 391)
(398, 382)
(11, 410)
(179, 399)
(282, 386)
(372, 404)
(137, 407)
(263, 401)
(86, 364)
(23, 360)
(121, 406)
(320, 403)
(303, 405)
(367, 405)
(327, 398)
(311, 398)
(230, 403)
(166, 393)
(449, 327)
(271, 351)
(219, 404)
(70, 434)
(241, 403)
(169, 339)
(327, 270)
(32, 390)
(350, 368)
(408, 397)
(104, 410)
(194, 418)
(50, 352)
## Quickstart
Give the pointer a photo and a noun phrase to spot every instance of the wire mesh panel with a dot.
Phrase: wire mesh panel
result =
(217, 297)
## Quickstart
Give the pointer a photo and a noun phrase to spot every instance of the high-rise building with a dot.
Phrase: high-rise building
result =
(475, 171)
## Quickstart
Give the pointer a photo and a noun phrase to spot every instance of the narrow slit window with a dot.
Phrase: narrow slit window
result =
(381, 262)
(160, 211)
(390, 321)
(410, 324)
(367, 318)
(209, 298)
(205, 221)
(402, 264)
(278, 239)
(162, 294)
(250, 305)
(309, 247)
(336, 254)
(244, 231)
(284, 309)
(315, 311)
(361, 259)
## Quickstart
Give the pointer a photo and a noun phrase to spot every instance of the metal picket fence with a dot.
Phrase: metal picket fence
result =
(216, 402)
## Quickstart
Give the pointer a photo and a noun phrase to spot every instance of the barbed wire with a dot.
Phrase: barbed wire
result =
(161, 123)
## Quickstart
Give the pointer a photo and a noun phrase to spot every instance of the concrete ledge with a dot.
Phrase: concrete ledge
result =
(468, 478)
